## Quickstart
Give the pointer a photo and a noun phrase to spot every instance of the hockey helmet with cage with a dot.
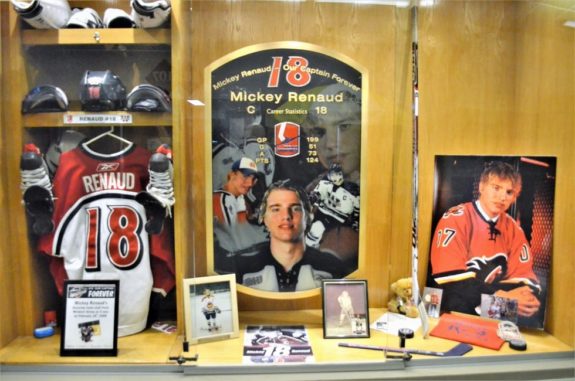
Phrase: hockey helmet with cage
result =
(43, 14)
(45, 98)
(146, 97)
(102, 91)
(150, 14)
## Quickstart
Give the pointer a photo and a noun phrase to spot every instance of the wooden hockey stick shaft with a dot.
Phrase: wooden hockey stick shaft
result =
(415, 158)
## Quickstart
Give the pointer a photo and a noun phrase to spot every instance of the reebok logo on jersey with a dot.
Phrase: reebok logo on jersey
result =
(107, 167)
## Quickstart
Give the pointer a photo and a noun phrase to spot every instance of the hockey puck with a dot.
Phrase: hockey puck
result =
(405, 333)
(518, 345)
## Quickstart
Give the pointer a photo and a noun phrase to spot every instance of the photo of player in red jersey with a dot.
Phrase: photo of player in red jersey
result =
(491, 232)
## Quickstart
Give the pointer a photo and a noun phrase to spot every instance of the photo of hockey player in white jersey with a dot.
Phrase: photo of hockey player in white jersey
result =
(346, 314)
(237, 139)
(211, 310)
(336, 204)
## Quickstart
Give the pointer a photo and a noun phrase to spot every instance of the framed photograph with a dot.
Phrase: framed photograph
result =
(493, 221)
(90, 325)
(432, 301)
(345, 308)
(273, 122)
(498, 308)
(211, 308)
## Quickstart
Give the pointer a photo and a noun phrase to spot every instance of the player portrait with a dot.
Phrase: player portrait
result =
(211, 311)
(432, 301)
(284, 114)
(345, 308)
(492, 232)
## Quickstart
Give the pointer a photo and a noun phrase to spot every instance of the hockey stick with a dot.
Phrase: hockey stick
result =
(415, 179)
(458, 350)
(415, 158)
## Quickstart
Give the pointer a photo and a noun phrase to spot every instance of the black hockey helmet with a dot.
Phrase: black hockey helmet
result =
(146, 97)
(102, 91)
(45, 98)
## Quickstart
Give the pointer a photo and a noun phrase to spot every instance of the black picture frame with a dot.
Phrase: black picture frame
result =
(90, 325)
(345, 309)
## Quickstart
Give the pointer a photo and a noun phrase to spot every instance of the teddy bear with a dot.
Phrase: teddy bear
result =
(401, 301)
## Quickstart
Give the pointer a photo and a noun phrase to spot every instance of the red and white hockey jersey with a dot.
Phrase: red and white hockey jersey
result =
(229, 209)
(467, 245)
(100, 230)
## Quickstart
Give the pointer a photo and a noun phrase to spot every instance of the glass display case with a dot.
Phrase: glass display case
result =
(345, 106)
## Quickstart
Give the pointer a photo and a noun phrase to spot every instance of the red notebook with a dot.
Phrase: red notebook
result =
(469, 330)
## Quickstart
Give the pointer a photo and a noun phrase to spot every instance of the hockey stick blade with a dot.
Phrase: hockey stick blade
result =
(459, 350)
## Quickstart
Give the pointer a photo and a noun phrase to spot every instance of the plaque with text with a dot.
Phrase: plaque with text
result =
(90, 325)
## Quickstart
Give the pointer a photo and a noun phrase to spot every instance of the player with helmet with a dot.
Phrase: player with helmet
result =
(286, 263)
(479, 249)
(336, 202)
(238, 133)
(210, 309)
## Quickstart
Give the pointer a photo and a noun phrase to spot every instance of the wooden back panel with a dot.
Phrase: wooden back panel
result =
(495, 78)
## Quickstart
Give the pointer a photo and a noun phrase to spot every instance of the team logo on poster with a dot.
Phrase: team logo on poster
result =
(287, 139)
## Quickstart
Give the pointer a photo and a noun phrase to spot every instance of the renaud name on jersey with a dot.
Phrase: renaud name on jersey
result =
(109, 181)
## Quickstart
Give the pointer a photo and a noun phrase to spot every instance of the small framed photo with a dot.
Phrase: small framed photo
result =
(90, 318)
(432, 301)
(499, 308)
(211, 308)
(345, 308)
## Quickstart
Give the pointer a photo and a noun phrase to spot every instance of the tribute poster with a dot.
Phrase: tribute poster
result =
(295, 111)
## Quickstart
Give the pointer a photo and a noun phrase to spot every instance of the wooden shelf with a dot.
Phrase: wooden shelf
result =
(149, 347)
(56, 119)
(153, 347)
(126, 36)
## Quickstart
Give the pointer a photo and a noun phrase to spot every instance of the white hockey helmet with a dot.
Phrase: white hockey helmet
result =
(85, 18)
(150, 13)
(43, 14)
(117, 18)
